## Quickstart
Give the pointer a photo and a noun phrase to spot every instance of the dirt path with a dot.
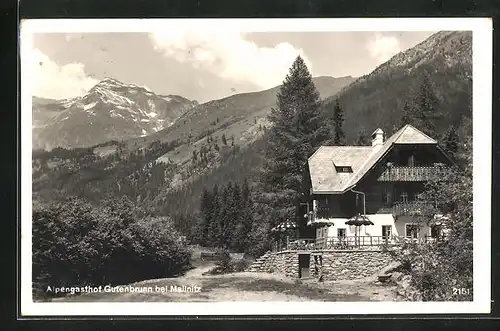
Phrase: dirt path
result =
(242, 286)
(197, 272)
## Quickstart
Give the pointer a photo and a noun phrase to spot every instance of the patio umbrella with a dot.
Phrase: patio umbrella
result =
(321, 223)
(357, 221)
(284, 226)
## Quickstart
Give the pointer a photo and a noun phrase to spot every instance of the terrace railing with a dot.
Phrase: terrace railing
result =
(413, 208)
(412, 174)
(302, 244)
(349, 242)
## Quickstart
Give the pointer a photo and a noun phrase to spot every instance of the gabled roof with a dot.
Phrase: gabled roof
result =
(322, 163)
(325, 179)
(410, 135)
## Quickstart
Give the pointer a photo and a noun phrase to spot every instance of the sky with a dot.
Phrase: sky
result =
(202, 66)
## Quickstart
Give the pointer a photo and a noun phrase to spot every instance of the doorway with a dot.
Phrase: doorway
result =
(304, 263)
(386, 231)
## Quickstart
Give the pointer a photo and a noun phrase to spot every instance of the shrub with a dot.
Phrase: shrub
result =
(241, 265)
(226, 265)
(432, 272)
(436, 269)
(77, 244)
(223, 265)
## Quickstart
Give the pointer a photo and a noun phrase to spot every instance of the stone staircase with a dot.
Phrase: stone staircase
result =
(258, 265)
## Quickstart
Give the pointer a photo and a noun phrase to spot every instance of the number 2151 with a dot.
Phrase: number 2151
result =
(461, 291)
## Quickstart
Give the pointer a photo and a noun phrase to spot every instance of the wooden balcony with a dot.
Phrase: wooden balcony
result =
(412, 174)
(412, 208)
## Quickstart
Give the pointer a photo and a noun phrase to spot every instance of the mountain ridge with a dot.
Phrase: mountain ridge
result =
(377, 99)
(111, 110)
(55, 121)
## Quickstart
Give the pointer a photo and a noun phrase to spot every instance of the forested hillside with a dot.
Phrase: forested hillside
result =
(377, 99)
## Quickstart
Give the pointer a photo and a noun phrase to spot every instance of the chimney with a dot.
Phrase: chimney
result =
(377, 138)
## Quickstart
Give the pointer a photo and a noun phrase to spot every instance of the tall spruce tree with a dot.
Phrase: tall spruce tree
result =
(422, 109)
(298, 129)
(338, 123)
(428, 107)
(243, 226)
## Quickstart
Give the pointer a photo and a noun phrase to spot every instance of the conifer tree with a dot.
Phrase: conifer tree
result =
(206, 210)
(362, 137)
(226, 216)
(422, 109)
(338, 122)
(464, 130)
(213, 226)
(224, 141)
(234, 215)
(298, 129)
(428, 106)
(244, 226)
(451, 141)
(406, 118)
(245, 193)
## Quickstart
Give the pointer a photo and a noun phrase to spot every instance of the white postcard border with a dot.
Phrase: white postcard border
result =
(482, 112)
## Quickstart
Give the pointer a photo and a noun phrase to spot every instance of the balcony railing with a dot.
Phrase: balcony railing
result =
(413, 208)
(412, 174)
(348, 242)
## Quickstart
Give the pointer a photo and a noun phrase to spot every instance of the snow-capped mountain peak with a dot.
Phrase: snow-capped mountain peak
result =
(119, 110)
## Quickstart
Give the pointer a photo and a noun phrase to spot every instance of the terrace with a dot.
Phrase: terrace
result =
(399, 208)
(348, 242)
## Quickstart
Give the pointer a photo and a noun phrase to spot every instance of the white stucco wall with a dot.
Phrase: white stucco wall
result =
(397, 226)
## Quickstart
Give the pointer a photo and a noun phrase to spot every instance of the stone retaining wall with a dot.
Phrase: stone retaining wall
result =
(352, 264)
(284, 263)
(331, 264)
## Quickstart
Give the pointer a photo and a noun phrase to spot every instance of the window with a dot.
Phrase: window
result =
(343, 169)
(411, 230)
(404, 197)
(323, 209)
(436, 231)
(341, 232)
(386, 231)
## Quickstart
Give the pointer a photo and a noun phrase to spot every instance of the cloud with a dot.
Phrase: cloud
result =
(228, 55)
(72, 36)
(383, 48)
(50, 80)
